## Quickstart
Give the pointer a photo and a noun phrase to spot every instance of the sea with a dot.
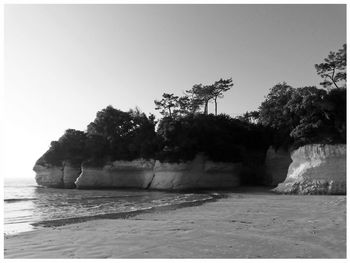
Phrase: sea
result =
(28, 206)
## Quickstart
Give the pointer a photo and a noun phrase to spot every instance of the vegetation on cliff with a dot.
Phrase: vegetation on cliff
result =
(220, 138)
(288, 117)
(113, 135)
(300, 116)
(304, 115)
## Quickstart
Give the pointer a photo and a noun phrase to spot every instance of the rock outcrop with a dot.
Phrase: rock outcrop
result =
(316, 169)
(70, 174)
(313, 169)
(48, 175)
(143, 174)
(62, 176)
(118, 174)
(197, 174)
(276, 166)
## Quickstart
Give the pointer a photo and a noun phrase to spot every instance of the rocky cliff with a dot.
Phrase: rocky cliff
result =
(313, 169)
(276, 166)
(62, 176)
(316, 169)
(118, 174)
(197, 174)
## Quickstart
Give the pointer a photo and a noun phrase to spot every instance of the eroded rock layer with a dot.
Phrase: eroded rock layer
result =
(119, 174)
(62, 176)
(50, 176)
(197, 174)
(70, 174)
(316, 169)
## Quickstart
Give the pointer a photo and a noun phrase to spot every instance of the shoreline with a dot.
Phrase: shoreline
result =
(241, 225)
(129, 214)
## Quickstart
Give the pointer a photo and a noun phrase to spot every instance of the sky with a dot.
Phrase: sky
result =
(63, 63)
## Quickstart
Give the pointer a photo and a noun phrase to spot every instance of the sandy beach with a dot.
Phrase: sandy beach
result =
(243, 225)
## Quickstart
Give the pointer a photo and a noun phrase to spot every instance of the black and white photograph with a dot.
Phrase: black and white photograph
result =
(174, 131)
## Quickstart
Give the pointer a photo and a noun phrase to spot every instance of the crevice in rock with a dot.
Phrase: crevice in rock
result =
(150, 183)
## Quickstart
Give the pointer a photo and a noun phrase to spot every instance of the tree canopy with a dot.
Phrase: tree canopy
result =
(221, 138)
(167, 104)
(333, 69)
(220, 87)
(194, 99)
(304, 115)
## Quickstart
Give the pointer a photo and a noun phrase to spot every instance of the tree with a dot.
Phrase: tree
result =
(111, 123)
(73, 145)
(220, 87)
(311, 121)
(129, 135)
(273, 113)
(97, 149)
(305, 115)
(167, 104)
(184, 104)
(220, 138)
(333, 70)
(202, 95)
(194, 101)
(69, 147)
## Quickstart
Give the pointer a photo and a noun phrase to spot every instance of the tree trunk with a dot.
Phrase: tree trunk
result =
(169, 111)
(216, 107)
(206, 108)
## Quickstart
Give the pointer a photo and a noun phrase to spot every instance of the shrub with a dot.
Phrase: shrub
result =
(220, 138)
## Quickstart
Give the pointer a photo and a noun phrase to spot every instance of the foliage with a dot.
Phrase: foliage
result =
(304, 115)
(128, 135)
(220, 87)
(70, 146)
(167, 104)
(97, 149)
(113, 135)
(220, 137)
(322, 118)
(202, 94)
(333, 70)
(196, 98)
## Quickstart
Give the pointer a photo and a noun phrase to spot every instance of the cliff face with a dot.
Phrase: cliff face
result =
(196, 174)
(56, 176)
(119, 174)
(70, 174)
(50, 176)
(276, 166)
(316, 169)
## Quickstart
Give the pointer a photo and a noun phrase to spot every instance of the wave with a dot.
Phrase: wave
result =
(12, 200)
(128, 214)
(108, 197)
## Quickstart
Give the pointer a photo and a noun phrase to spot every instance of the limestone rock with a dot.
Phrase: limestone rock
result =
(50, 176)
(197, 174)
(118, 174)
(70, 174)
(316, 169)
(62, 176)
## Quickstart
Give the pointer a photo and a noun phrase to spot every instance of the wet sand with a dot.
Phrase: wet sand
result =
(243, 225)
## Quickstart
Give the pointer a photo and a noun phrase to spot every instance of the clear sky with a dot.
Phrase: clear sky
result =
(63, 63)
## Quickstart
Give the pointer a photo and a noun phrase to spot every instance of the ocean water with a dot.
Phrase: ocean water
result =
(28, 206)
